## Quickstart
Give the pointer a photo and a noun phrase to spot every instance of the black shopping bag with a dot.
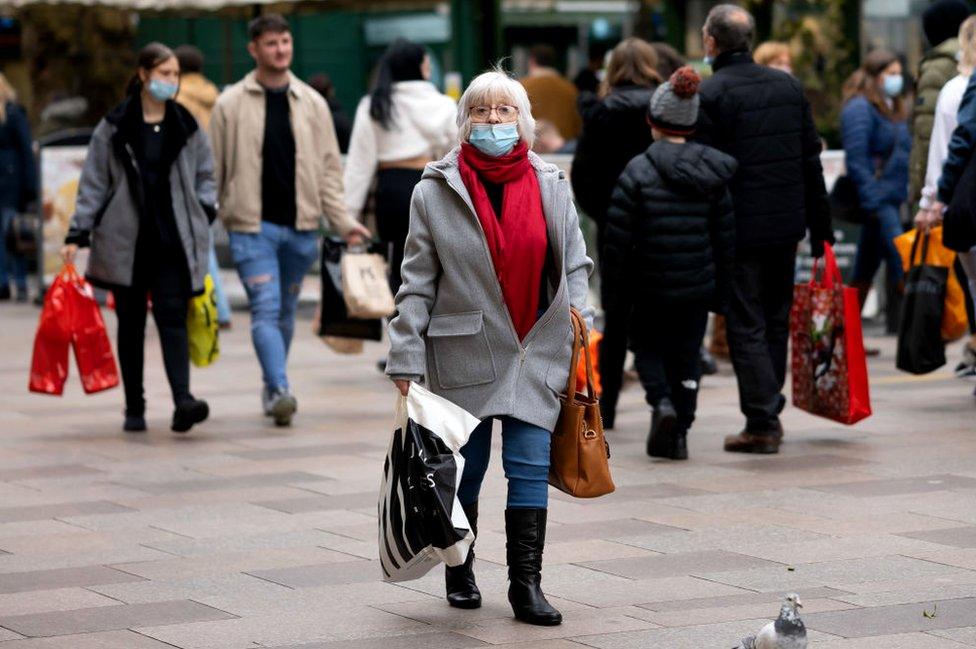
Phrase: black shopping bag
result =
(335, 321)
(421, 522)
(920, 346)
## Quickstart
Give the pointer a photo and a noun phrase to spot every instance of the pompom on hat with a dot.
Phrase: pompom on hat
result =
(673, 108)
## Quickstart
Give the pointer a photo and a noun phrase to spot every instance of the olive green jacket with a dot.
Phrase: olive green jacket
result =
(936, 68)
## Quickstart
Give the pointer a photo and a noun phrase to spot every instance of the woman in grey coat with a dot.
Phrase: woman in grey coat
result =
(145, 203)
(494, 259)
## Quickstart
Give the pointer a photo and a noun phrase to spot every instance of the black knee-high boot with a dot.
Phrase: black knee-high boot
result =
(462, 591)
(525, 532)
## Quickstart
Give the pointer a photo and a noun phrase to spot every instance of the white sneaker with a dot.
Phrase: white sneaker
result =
(966, 369)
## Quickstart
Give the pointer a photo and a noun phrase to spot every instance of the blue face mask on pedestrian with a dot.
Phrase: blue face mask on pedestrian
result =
(494, 139)
(162, 90)
(893, 84)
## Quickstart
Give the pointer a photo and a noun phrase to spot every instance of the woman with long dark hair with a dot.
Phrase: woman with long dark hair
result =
(403, 124)
(614, 131)
(145, 204)
(874, 130)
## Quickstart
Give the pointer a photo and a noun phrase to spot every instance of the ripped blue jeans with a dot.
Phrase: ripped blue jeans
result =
(272, 264)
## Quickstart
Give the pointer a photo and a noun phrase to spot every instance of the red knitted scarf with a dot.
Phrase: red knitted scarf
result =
(517, 240)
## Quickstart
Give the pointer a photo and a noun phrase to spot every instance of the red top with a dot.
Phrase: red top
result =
(517, 240)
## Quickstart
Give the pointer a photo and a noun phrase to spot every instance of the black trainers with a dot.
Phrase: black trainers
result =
(189, 413)
(134, 424)
(660, 440)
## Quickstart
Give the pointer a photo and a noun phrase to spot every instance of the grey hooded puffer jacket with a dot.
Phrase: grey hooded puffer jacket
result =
(109, 203)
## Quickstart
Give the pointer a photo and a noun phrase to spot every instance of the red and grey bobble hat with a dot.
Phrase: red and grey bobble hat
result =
(673, 109)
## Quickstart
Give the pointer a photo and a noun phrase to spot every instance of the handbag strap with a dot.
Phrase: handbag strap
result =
(924, 236)
(581, 344)
(831, 274)
(574, 360)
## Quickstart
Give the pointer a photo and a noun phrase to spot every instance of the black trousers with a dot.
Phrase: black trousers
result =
(394, 188)
(666, 339)
(758, 324)
(167, 282)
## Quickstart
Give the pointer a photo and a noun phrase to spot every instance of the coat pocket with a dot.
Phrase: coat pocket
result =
(462, 355)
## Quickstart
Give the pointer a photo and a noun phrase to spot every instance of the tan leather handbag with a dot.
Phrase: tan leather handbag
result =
(579, 452)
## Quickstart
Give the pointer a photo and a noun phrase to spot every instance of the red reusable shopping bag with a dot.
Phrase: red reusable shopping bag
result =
(830, 376)
(49, 365)
(71, 316)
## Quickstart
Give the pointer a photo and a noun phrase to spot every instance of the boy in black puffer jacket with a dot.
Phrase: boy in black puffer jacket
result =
(671, 237)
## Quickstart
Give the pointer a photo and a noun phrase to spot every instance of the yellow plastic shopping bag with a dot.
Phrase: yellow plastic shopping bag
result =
(202, 327)
(954, 320)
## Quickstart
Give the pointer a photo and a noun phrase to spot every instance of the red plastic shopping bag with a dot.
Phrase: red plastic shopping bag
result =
(89, 339)
(71, 316)
(829, 367)
(49, 365)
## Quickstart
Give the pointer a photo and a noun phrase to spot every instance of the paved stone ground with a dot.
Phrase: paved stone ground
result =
(242, 535)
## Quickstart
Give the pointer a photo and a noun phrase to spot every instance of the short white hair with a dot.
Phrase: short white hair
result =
(496, 87)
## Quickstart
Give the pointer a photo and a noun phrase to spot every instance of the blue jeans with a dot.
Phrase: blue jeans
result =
(10, 262)
(525, 458)
(272, 264)
(223, 306)
(877, 244)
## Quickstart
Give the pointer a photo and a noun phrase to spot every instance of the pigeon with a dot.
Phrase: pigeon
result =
(787, 632)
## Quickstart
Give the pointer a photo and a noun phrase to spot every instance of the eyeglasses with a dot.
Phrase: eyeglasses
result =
(504, 111)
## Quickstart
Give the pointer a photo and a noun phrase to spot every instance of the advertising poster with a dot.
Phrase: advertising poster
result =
(60, 173)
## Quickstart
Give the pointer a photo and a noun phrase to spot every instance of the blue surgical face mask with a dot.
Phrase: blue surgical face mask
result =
(162, 90)
(494, 139)
(708, 60)
(893, 84)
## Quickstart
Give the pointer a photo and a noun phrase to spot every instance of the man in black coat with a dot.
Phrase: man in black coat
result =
(761, 117)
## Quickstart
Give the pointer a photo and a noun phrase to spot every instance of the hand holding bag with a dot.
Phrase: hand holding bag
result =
(579, 453)
(365, 286)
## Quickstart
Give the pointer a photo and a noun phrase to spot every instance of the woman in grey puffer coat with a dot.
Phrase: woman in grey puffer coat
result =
(494, 260)
(145, 203)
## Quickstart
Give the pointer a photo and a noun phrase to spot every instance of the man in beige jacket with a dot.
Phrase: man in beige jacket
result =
(278, 171)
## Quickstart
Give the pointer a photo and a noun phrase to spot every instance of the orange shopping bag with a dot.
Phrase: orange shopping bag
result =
(595, 338)
(954, 321)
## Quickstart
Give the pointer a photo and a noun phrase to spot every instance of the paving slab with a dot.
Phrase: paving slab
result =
(903, 618)
(19, 582)
(108, 618)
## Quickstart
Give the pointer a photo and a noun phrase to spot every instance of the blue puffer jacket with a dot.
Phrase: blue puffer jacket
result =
(870, 141)
(18, 177)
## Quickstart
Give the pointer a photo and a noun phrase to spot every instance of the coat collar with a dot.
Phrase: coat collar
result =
(251, 84)
(548, 174)
(732, 57)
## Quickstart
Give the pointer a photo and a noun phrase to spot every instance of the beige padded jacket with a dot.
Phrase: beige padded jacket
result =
(237, 135)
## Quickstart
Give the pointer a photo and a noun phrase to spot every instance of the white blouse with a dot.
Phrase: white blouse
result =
(946, 110)
(424, 123)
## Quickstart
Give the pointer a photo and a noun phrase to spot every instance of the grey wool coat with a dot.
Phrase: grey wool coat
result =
(109, 203)
(453, 326)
